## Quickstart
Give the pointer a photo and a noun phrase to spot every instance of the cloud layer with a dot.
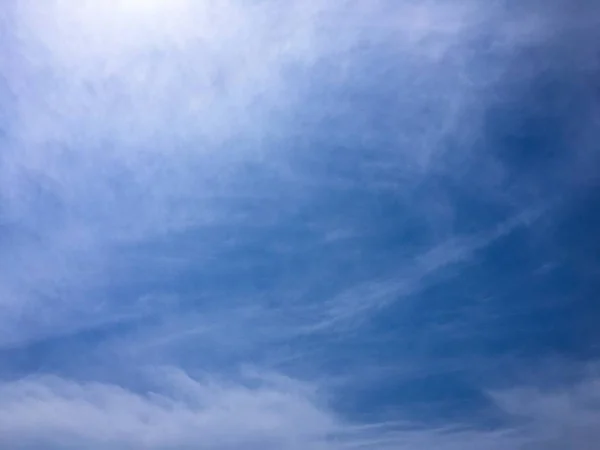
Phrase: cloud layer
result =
(50, 412)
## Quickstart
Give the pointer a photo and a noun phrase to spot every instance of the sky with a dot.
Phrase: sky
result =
(328, 225)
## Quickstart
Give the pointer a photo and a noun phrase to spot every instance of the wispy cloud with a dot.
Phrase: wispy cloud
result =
(131, 120)
(355, 305)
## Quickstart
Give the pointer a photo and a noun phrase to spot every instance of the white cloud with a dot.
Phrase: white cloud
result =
(267, 412)
(50, 411)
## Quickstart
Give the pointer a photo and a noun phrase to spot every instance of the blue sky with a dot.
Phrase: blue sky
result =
(305, 225)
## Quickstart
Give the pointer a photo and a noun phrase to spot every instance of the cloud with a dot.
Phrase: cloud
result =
(53, 412)
(355, 305)
(127, 123)
(292, 313)
(181, 412)
(555, 418)
(168, 102)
